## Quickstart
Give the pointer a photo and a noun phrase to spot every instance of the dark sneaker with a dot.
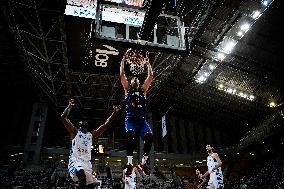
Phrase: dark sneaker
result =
(144, 168)
(129, 170)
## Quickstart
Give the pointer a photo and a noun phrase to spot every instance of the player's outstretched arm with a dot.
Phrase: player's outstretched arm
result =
(150, 76)
(72, 130)
(123, 78)
(96, 133)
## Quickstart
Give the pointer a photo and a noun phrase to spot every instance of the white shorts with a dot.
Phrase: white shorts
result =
(130, 185)
(75, 165)
(216, 180)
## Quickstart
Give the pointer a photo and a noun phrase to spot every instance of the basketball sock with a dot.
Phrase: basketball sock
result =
(129, 160)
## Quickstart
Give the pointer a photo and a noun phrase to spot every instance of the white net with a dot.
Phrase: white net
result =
(136, 61)
(136, 69)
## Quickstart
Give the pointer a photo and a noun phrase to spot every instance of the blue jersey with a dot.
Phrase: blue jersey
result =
(135, 103)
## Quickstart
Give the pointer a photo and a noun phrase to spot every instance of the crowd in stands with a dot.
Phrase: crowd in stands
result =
(267, 175)
(24, 179)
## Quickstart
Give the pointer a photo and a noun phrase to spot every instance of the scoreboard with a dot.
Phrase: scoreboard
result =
(109, 13)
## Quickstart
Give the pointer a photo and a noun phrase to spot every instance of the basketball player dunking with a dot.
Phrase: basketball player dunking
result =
(135, 121)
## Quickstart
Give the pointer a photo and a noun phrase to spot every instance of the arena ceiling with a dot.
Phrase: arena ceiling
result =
(196, 85)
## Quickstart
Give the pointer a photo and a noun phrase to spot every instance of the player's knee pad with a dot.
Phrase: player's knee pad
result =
(148, 140)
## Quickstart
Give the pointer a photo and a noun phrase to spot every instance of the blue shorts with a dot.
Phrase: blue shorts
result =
(138, 125)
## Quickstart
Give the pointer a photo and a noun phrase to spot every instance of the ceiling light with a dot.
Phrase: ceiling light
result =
(221, 56)
(229, 90)
(255, 14)
(265, 2)
(181, 164)
(233, 91)
(240, 34)
(245, 27)
(220, 86)
(211, 66)
(96, 159)
(164, 159)
(229, 46)
(251, 97)
(272, 104)
(118, 160)
(206, 74)
(201, 79)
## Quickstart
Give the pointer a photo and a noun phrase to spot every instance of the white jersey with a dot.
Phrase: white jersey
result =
(211, 163)
(216, 177)
(81, 146)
